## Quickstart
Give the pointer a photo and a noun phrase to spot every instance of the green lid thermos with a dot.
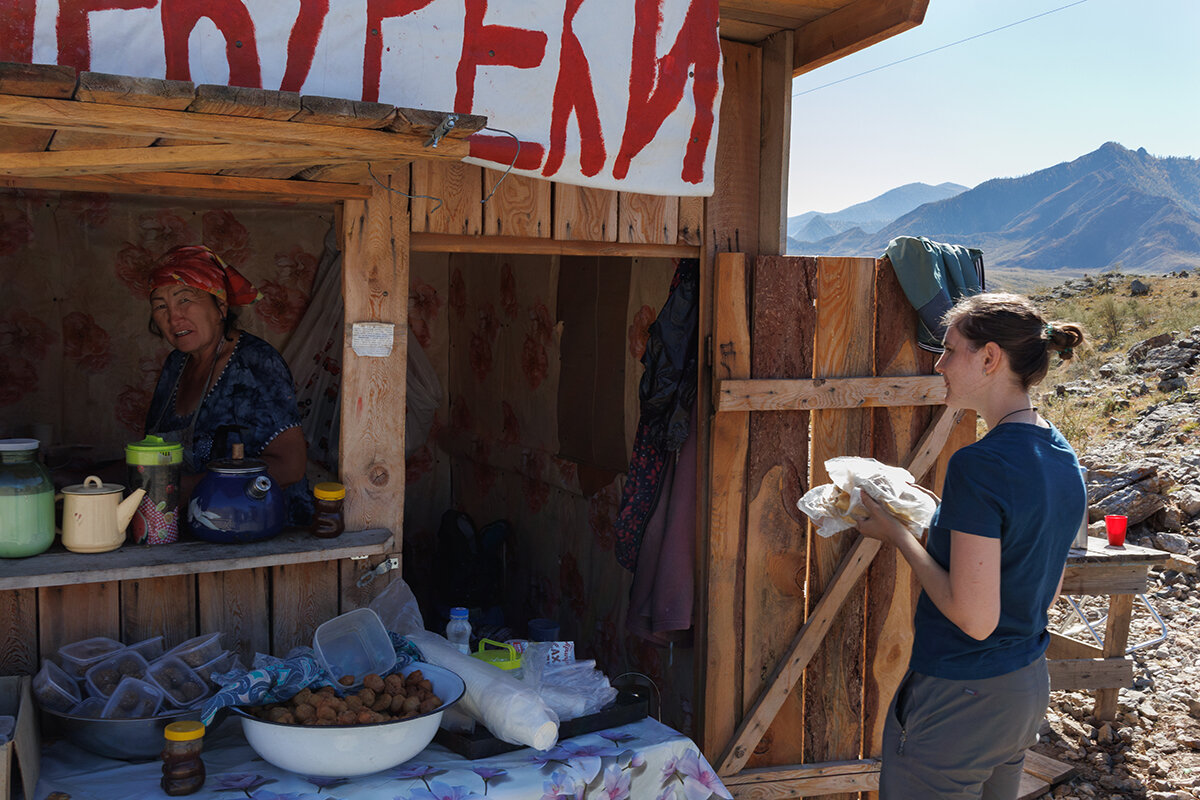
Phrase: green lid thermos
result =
(154, 465)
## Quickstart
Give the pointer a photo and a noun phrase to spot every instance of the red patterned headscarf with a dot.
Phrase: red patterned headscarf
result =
(200, 268)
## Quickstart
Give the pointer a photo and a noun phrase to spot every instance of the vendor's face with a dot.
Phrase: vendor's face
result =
(189, 319)
(962, 369)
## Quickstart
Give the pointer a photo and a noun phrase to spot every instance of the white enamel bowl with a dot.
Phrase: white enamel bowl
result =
(347, 751)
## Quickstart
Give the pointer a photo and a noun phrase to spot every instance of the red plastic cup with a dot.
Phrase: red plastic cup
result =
(1115, 524)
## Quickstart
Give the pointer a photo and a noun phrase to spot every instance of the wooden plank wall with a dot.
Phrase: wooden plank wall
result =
(534, 209)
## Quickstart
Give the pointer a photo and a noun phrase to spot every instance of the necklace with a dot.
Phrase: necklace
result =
(1018, 411)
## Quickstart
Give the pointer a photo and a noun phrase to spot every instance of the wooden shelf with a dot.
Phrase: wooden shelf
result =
(59, 567)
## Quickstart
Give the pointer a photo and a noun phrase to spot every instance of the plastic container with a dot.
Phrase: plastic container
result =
(458, 630)
(180, 685)
(198, 650)
(54, 688)
(79, 657)
(543, 630)
(182, 770)
(221, 663)
(354, 644)
(133, 699)
(501, 655)
(102, 678)
(91, 708)
(149, 649)
(26, 500)
(328, 521)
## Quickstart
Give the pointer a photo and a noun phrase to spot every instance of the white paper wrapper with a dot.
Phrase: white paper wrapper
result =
(833, 507)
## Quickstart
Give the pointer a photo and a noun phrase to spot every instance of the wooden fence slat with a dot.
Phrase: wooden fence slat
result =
(728, 444)
(584, 213)
(784, 322)
(69, 613)
(18, 632)
(520, 206)
(302, 597)
(236, 603)
(833, 681)
(644, 218)
(159, 606)
(691, 220)
(458, 186)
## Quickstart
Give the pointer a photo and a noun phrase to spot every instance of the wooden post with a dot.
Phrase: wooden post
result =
(1116, 639)
(777, 51)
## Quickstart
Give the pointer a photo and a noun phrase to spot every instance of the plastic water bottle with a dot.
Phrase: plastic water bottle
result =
(458, 630)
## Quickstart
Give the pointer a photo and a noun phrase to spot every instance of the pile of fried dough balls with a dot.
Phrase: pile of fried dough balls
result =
(389, 699)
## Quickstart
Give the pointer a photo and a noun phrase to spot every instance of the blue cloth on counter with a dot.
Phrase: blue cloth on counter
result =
(276, 680)
(934, 276)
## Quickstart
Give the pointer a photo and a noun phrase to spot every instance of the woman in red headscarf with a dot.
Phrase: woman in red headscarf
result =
(220, 381)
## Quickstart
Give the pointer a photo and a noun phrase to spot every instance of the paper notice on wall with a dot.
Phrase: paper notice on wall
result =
(372, 339)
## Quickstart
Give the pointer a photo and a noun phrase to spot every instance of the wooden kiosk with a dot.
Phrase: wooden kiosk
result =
(799, 641)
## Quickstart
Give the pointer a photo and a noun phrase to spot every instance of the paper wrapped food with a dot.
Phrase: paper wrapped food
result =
(833, 507)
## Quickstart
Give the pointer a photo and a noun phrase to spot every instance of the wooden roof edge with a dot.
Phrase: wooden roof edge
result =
(851, 28)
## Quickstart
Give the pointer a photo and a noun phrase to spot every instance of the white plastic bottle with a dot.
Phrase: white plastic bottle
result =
(458, 630)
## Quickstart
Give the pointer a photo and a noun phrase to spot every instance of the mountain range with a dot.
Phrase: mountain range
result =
(1113, 207)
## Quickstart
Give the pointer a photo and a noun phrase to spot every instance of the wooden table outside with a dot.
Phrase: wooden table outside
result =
(1121, 573)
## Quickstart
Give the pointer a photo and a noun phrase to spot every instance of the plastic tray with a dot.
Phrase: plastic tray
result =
(55, 688)
(198, 650)
(103, 677)
(133, 699)
(180, 685)
(354, 643)
(78, 656)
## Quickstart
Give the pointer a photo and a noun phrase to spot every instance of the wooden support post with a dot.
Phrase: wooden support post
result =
(375, 289)
(1116, 639)
(727, 459)
(776, 139)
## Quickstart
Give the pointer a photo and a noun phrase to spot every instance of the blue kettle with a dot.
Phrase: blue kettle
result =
(236, 501)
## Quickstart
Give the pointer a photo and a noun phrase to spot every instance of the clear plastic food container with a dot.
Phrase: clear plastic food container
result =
(198, 650)
(180, 684)
(102, 678)
(354, 644)
(133, 699)
(54, 688)
(151, 648)
(78, 657)
(92, 708)
(221, 663)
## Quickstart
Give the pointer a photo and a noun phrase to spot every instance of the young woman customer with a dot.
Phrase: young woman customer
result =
(977, 686)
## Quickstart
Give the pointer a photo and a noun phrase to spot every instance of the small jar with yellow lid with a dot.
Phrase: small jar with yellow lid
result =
(182, 771)
(327, 521)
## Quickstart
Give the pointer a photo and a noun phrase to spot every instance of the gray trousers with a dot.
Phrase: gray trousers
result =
(962, 740)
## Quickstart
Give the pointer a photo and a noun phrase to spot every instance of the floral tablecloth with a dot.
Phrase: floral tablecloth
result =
(644, 760)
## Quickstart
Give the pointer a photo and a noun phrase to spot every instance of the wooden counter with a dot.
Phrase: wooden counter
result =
(59, 567)
(1121, 573)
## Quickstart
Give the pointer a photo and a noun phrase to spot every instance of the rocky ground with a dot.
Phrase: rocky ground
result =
(1149, 469)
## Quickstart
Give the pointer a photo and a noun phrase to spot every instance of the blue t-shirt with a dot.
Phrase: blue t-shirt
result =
(255, 390)
(1020, 484)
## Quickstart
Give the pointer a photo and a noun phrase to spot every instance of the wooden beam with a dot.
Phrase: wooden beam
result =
(805, 395)
(187, 184)
(1116, 639)
(1066, 647)
(37, 80)
(1105, 579)
(812, 780)
(852, 28)
(242, 101)
(1105, 674)
(122, 90)
(422, 122)
(104, 118)
(344, 113)
(791, 666)
(62, 163)
(776, 137)
(454, 243)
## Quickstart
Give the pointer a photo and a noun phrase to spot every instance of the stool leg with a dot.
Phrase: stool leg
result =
(1116, 638)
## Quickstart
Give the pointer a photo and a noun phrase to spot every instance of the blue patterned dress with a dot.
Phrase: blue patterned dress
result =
(254, 391)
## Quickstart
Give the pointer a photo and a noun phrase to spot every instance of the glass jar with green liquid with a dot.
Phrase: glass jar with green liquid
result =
(26, 500)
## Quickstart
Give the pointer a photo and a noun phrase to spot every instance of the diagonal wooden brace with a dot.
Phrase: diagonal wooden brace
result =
(783, 680)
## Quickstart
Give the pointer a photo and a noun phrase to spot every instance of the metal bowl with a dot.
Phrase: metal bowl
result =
(124, 739)
(345, 751)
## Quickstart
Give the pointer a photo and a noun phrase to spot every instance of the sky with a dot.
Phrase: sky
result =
(1002, 105)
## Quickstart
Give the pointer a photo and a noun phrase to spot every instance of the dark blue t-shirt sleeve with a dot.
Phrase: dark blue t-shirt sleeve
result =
(973, 496)
(265, 397)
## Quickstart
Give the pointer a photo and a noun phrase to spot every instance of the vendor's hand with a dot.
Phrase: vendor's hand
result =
(879, 523)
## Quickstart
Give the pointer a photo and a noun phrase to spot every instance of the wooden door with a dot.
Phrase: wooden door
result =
(818, 359)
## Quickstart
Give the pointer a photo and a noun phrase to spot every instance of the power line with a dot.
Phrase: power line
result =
(936, 49)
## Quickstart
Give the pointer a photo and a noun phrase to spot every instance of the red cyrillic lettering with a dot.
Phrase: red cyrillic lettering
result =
(377, 12)
(16, 30)
(74, 40)
(573, 92)
(179, 18)
(503, 149)
(492, 46)
(302, 44)
(656, 85)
